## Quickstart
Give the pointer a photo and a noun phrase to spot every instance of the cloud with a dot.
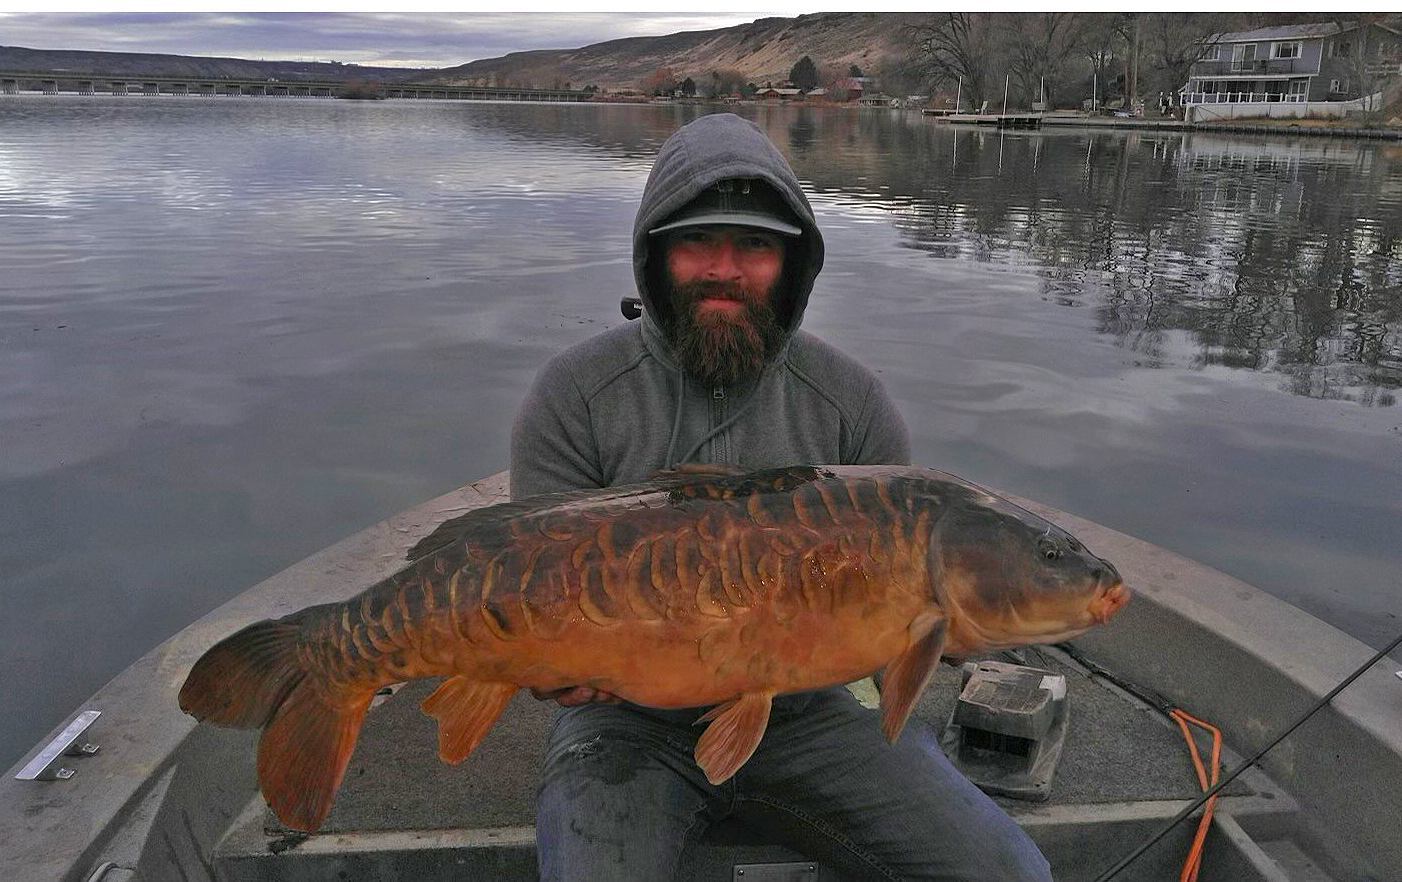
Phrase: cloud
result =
(437, 39)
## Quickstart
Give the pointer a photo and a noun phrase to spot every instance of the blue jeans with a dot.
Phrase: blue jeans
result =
(622, 797)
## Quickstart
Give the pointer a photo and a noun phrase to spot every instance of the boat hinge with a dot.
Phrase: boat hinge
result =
(46, 765)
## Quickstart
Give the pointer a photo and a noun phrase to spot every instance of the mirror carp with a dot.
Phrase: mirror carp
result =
(702, 587)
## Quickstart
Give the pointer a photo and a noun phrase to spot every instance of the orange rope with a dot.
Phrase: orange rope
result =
(1194, 861)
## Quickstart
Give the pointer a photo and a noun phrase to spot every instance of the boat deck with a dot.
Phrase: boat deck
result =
(168, 799)
(401, 812)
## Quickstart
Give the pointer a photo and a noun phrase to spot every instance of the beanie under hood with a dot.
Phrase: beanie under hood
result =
(710, 149)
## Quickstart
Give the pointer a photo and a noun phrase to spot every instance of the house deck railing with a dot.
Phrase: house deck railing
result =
(1242, 97)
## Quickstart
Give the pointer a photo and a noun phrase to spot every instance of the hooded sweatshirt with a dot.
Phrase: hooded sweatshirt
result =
(617, 408)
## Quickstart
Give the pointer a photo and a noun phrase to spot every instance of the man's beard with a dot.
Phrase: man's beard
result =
(717, 346)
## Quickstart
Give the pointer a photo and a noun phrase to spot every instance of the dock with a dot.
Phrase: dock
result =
(1164, 124)
(1239, 127)
(997, 120)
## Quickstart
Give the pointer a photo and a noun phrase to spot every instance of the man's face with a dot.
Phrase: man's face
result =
(723, 281)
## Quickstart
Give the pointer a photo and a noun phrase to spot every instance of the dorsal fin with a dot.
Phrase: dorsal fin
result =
(691, 474)
(453, 529)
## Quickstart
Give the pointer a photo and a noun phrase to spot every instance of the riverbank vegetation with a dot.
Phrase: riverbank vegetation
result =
(1069, 58)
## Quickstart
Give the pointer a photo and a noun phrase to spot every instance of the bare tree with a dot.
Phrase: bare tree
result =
(1173, 41)
(726, 81)
(1098, 46)
(662, 80)
(1130, 28)
(955, 46)
(1363, 47)
(1039, 45)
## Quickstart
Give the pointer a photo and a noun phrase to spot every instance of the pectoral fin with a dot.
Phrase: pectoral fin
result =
(735, 730)
(465, 710)
(907, 674)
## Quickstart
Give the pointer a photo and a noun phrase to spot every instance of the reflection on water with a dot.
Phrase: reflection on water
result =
(234, 331)
(1272, 255)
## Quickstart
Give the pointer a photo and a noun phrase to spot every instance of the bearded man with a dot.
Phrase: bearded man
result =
(725, 253)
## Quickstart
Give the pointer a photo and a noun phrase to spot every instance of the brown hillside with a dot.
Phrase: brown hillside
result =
(764, 51)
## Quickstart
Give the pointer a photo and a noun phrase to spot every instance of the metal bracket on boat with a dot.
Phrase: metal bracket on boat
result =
(1007, 729)
(45, 765)
(792, 871)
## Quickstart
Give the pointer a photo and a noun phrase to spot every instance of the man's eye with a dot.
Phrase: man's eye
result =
(758, 243)
(693, 237)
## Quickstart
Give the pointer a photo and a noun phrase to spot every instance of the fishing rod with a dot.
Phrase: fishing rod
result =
(1129, 858)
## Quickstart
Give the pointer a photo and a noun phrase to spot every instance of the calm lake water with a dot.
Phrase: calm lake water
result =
(235, 331)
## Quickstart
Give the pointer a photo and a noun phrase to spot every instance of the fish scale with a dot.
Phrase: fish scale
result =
(705, 587)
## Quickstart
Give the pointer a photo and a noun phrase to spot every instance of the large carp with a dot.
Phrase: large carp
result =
(698, 588)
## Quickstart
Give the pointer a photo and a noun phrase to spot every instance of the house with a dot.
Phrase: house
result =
(772, 93)
(1326, 61)
(852, 87)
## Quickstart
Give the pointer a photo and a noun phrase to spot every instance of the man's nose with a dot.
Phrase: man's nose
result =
(723, 266)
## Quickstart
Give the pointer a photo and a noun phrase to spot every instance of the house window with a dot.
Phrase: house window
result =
(1243, 56)
(1338, 87)
(1210, 53)
(1340, 49)
(1286, 50)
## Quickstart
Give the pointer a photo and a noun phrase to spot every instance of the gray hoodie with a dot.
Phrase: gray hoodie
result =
(616, 408)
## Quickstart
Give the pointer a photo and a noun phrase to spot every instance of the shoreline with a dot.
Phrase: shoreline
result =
(1253, 128)
(1051, 119)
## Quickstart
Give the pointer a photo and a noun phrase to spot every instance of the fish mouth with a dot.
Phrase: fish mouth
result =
(1109, 601)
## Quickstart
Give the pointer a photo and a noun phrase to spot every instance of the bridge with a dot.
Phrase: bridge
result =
(60, 82)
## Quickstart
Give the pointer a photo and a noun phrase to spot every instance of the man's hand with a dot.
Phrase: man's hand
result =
(574, 696)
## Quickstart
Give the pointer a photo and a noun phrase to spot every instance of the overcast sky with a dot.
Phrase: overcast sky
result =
(431, 39)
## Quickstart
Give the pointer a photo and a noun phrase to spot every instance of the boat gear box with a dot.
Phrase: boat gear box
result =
(1007, 729)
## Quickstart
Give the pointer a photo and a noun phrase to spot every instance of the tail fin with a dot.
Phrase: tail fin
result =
(243, 679)
(254, 678)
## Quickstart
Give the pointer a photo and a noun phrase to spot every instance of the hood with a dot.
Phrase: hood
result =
(707, 150)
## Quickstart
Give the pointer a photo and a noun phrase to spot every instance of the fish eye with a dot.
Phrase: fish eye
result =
(1049, 550)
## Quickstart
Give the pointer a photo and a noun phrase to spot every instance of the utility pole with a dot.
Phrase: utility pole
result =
(1006, 79)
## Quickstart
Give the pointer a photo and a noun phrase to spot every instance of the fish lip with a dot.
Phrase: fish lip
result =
(1109, 601)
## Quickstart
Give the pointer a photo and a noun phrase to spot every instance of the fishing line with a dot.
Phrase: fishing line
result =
(1129, 858)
